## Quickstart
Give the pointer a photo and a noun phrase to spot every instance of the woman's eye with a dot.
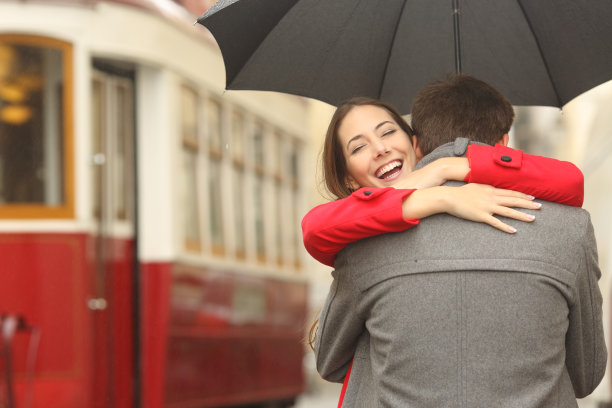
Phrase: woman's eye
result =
(388, 132)
(356, 149)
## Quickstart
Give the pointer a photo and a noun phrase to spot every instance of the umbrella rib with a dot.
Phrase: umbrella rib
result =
(384, 77)
(535, 38)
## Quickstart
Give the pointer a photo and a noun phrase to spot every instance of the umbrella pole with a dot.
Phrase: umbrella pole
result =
(457, 36)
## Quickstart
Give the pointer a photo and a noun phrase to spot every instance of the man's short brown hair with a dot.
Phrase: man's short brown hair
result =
(459, 106)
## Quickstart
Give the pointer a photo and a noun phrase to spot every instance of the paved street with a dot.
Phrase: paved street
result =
(323, 396)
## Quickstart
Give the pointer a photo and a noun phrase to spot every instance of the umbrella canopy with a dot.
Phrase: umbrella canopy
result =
(536, 52)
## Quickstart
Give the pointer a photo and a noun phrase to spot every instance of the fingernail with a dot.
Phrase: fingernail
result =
(511, 230)
(531, 197)
(531, 217)
(537, 205)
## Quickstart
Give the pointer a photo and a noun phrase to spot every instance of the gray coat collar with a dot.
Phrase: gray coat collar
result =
(457, 148)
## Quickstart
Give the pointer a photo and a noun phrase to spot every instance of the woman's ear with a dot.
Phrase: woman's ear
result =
(351, 184)
(416, 147)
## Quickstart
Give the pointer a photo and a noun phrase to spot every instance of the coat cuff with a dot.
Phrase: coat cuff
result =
(543, 177)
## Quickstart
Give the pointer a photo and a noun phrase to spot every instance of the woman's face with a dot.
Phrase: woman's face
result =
(378, 152)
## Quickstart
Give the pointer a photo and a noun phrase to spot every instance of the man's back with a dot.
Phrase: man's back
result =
(462, 315)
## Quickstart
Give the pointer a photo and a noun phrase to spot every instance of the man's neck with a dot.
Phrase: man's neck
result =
(457, 148)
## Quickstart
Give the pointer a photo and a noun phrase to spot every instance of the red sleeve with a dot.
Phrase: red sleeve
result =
(541, 177)
(328, 228)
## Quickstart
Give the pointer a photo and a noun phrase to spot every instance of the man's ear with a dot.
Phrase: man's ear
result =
(417, 148)
(504, 140)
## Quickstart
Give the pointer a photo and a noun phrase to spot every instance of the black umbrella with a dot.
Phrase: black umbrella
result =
(536, 52)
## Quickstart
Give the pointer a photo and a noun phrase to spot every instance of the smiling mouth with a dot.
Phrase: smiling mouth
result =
(389, 170)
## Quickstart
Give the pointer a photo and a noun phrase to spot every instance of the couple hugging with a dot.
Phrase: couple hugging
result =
(453, 312)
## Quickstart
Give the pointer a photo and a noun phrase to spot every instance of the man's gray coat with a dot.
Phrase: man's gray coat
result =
(454, 313)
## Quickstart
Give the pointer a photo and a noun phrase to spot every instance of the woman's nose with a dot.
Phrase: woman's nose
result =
(380, 148)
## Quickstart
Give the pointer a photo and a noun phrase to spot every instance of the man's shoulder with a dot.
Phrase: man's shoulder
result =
(572, 218)
(553, 242)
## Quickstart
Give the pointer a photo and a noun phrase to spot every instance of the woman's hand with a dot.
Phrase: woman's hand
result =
(474, 202)
(436, 173)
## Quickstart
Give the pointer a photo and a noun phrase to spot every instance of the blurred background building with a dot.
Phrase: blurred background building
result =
(150, 242)
(580, 133)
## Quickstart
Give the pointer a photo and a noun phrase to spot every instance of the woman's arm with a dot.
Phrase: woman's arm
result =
(503, 167)
(330, 227)
(542, 177)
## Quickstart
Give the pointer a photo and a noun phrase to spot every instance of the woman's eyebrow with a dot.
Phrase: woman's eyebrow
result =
(360, 135)
(352, 139)
(382, 123)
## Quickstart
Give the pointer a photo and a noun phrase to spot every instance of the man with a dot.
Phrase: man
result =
(456, 314)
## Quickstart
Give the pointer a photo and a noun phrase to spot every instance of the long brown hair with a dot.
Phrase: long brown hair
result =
(312, 333)
(335, 172)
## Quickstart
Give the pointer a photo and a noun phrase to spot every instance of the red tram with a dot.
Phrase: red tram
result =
(150, 254)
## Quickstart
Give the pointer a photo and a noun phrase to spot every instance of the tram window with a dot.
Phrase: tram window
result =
(123, 151)
(260, 242)
(238, 176)
(191, 220)
(213, 118)
(294, 188)
(216, 214)
(276, 155)
(258, 146)
(189, 131)
(258, 191)
(277, 188)
(214, 137)
(189, 116)
(294, 165)
(277, 209)
(98, 112)
(112, 120)
(35, 132)
(237, 138)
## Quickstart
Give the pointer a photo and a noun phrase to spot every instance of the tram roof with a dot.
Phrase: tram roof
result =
(185, 11)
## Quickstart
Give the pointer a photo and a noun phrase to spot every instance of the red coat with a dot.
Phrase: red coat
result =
(329, 227)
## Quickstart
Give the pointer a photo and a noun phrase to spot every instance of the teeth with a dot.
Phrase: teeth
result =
(388, 167)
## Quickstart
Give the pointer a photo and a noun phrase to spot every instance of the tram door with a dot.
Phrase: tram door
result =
(113, 192)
